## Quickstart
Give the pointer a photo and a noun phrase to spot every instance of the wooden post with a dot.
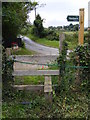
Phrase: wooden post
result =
(81, 29)
(48, 88)
(61, 39)
(89, 15)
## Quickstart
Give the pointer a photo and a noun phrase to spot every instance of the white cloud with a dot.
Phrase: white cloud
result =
(56, 11)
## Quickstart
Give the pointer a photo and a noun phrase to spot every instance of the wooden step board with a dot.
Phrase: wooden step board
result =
(47, 84)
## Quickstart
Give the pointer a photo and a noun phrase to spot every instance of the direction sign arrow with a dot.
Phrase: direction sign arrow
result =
(73, 18)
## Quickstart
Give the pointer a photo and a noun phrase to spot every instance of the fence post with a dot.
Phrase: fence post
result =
(48, 88)
(61, 39)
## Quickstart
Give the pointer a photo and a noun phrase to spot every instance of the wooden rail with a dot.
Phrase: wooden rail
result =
(29, 87)
(35, 72)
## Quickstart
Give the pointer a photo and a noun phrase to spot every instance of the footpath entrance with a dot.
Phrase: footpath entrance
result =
(29, 66)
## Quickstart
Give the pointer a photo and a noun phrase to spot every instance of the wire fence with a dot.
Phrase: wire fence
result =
(53, 64)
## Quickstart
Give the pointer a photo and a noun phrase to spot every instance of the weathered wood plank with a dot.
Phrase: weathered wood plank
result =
(42, 59)
(47, 84)
(61, 39)
(29, 87)
(35, 72)
(47, 80)
(48, 88)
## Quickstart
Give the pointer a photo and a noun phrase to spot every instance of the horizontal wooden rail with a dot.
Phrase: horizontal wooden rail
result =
(29, 87)
(35, 72)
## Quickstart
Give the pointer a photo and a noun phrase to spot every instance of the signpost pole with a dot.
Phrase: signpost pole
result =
(89, 16)
(81, 29)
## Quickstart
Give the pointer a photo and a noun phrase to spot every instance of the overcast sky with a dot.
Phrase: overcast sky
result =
(55, 12)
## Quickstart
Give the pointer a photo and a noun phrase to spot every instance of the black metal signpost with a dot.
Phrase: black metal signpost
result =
(73, 18)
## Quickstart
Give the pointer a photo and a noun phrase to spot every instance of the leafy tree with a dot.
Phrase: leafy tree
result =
(38, 28)
(14, 17)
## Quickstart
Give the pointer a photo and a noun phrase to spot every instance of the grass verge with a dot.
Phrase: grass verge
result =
(23, 51)
(29, 80)
(44, 41)
(71, 39)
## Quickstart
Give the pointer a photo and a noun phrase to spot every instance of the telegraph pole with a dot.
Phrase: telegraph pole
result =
(42, 5)
(35, 12)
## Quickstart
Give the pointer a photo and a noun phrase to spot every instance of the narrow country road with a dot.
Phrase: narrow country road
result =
(41, 49)
(44, 55)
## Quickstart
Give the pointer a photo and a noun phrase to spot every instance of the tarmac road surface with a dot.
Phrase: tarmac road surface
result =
(31, 45)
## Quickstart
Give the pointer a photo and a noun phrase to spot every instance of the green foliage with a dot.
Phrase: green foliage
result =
(72, 40)
(62, 56)
(81, 57)
(14, 17)
(32, 80)
(38, 29)
(52, 35)
(62, 63)
(34, 106)
(44, 41)
(23, 44)
(23, 51)
(71, 27)
(7, 78)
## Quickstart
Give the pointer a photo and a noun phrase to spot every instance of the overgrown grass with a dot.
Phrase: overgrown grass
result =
(34, 105)
(23, 51)
(26, 80)
(67, 104)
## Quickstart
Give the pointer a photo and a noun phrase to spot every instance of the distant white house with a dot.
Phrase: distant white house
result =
(89, 14)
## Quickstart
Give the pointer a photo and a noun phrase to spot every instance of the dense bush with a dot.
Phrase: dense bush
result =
(14, 19)
(52, 35)
(81, 57)
(38, 29)
(72, 37)
(75, 71)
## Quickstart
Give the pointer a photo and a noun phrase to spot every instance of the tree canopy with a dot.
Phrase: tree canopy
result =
(38, 28)
(14, 17)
